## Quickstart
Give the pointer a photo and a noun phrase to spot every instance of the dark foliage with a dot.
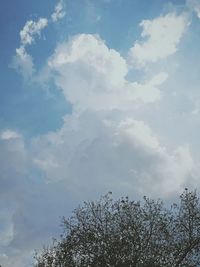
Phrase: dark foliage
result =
(125, 233)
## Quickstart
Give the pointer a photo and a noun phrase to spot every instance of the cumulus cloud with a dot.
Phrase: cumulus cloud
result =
(59, 12)
(92, 77)
(97, 75)
(112, 149)
(112, 155)
(101, 136)
(161, 38)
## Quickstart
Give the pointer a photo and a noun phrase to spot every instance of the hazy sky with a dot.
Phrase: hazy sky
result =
(95, 96)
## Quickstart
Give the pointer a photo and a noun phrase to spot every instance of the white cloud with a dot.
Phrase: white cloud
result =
(97, 75)
(123, 156)
(31, 30)
(195, 6)
(93, 137)
(149, 91)
(9, 134)
(111, 148)
(22, 61)
(139, 132)
(13, 154)
(59, 12)
(162, 169)
(162, 36)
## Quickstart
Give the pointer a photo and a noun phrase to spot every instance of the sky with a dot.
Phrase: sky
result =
(95, 96)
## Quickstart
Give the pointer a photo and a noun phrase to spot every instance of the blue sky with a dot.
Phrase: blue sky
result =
(95, 96)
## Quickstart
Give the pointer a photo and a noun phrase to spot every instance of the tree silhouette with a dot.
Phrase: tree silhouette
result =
(126, 233)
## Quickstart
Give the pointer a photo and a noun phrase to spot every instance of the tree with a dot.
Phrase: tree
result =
(126, 233)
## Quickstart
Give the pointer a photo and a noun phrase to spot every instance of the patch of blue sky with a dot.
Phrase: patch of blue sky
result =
(28, 110)
(115, 21)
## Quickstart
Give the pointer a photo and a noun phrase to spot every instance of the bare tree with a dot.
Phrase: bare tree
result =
(126, 233)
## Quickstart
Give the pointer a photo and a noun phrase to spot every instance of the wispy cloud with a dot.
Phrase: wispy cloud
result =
(59, 12)
(31, 30)
(23, 61)
(195, 6)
